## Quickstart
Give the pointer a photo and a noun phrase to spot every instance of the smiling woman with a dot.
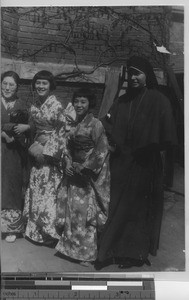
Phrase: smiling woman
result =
(42, 87)
(81, 105)
(48, 119)
(83, 198)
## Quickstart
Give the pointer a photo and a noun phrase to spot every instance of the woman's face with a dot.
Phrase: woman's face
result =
(81, 105)
(42, 87)
(8, 87)
(136, 78)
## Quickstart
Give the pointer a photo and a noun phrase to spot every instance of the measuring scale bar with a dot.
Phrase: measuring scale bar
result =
(78, 288)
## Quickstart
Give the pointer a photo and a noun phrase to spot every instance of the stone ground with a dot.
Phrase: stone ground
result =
(23, 256)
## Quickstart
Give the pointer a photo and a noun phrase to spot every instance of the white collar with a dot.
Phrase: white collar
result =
(7, 104)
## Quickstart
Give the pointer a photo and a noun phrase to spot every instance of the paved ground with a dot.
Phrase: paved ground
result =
(23, 256)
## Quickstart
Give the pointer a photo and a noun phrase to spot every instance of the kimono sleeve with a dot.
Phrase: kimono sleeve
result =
(97, 157)
(32, 128)
(56, 144)
(8, 128)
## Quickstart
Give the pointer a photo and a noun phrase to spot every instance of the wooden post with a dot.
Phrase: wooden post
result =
(175, 86)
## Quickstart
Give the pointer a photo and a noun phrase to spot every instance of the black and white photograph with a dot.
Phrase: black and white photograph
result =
(92, 139)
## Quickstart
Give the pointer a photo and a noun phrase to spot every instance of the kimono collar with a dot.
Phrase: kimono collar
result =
(11, 99)
(8, 103)
(88, 117)
(40, 101)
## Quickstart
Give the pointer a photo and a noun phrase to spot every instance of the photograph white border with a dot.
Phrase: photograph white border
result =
(179, 278)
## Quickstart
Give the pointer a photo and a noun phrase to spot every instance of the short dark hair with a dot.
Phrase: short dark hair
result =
(46, 75)
(12, 74)
(87, 93)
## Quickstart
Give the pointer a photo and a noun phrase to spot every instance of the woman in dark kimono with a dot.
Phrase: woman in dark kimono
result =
(140, 125)
(13, 155)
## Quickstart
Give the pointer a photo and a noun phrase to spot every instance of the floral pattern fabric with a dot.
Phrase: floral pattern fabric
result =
(40, 199)
(83, 200)
(12, 221)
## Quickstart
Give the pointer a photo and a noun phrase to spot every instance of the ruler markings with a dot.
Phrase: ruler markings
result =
(112, 295)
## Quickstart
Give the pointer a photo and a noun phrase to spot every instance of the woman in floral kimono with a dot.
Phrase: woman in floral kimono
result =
(14, 117)
(83, 200)
(48, 118)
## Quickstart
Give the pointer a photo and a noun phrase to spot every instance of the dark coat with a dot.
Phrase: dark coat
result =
(140, 126)
(13, 161)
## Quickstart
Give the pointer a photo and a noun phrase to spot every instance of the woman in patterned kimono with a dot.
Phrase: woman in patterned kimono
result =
(13, 156)
(48, 118)
(82, 206)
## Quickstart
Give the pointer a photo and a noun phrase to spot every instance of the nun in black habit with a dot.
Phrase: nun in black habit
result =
(140, 125)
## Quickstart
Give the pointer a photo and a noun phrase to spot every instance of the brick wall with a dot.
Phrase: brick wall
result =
(52, 33)
(46, 30)
(9, 32)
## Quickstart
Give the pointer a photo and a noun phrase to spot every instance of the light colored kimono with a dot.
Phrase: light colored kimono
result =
(40, 200)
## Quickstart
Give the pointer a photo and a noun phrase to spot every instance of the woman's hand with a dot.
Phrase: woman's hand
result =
(7, 138)
(20, 128)
(69, 168)
(78, 168)
(69, 120)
